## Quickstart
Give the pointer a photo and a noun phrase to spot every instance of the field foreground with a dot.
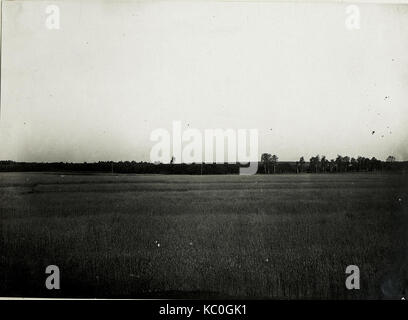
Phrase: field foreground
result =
(268, 236)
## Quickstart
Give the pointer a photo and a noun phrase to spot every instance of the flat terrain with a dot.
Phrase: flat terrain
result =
(267, 236)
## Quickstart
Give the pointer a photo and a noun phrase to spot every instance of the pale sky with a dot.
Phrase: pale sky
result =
(96, 88)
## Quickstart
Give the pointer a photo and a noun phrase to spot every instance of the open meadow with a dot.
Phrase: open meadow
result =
(227, 236)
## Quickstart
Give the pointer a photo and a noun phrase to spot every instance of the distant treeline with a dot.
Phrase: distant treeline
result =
(267, 165)
(316, 164)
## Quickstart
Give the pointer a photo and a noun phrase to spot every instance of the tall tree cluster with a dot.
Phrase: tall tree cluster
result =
(320, 164)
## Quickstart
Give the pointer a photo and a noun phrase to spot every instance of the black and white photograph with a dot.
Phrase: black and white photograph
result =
(208, 150)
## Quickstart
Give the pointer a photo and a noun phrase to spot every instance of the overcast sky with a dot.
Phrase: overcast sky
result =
(114, 71)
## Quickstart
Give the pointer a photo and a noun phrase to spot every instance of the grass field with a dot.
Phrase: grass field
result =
(268, 236)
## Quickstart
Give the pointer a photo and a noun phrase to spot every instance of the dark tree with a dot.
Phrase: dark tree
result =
(324, 164)
(354, 164)
(274, 160)
(346, 163)
(390, 159)
(339, 163)
(314, 163)
(301, 163)
(265, 159)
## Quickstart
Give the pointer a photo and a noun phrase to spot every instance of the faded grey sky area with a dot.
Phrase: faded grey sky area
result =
(96, 88)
